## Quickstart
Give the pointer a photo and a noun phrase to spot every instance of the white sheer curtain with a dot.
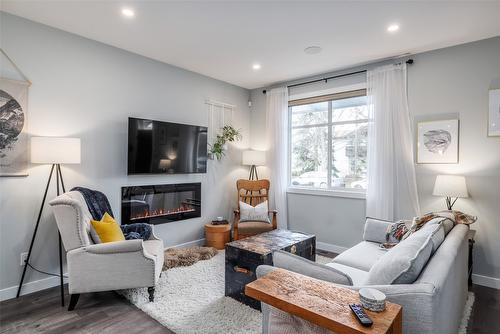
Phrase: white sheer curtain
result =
(277, 130)
(392, 189)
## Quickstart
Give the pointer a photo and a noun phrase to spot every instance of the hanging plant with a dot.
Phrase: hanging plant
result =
(229, 134)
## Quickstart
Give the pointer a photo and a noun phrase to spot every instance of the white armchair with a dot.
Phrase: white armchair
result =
(107, 266)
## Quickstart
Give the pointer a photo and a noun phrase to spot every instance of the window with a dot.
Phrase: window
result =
(328, 141)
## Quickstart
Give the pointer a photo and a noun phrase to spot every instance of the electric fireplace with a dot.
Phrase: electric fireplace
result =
(158, 204)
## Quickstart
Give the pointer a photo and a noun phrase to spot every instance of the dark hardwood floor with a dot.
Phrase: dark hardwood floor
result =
(485, 312)
(102, 313)
(108, 312)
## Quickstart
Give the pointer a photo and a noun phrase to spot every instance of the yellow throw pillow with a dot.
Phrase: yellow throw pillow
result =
(107, 229)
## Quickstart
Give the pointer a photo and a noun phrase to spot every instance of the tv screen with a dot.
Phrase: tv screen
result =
(156, 147)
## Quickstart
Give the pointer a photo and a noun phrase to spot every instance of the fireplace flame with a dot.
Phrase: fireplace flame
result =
(162, 212)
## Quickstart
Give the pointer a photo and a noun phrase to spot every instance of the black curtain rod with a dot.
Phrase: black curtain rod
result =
(409, 62)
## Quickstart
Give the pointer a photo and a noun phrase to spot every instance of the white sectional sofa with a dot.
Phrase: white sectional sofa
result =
(432, 303)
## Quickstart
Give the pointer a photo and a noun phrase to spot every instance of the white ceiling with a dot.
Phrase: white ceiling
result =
(223, 39)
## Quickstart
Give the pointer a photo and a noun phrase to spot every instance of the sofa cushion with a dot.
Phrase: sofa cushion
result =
(375, 230)
(446, 223)
(298, 264)
(430, 219)
(438, 233)
(362, 256)
(357, 276)
(252, 227)
(403, 263)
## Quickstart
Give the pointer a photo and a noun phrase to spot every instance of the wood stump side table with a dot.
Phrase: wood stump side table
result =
(217, 236)
(322, 303)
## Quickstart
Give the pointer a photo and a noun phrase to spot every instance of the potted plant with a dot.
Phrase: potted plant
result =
(229, 134)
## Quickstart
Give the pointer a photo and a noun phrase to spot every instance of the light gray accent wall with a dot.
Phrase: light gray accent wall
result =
(334, 220)
(442, 84)
(455, 82)
(86, 89)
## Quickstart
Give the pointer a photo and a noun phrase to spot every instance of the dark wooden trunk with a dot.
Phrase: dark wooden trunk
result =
(244, 256)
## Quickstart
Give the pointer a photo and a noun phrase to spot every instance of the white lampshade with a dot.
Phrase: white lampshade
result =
(55, 150)
(451, 186)
(257, 158)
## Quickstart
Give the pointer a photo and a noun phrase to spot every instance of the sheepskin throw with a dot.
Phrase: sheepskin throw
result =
(183, 257)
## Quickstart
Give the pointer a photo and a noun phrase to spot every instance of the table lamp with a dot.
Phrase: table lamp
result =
(254, 159)
(450, 186)
(54, 151)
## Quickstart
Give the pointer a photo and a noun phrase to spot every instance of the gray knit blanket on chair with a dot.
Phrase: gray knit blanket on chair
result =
(98, 205)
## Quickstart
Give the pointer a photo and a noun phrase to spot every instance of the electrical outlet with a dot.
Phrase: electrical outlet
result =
(24, 256)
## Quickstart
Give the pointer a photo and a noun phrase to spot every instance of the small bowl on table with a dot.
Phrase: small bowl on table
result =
(372, 299)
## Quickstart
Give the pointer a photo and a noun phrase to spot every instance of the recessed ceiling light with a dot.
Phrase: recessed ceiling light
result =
(127, 12)
(256, 66)
(312, 50)
(393, 28)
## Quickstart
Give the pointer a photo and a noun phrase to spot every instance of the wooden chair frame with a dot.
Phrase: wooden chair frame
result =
(252, 192)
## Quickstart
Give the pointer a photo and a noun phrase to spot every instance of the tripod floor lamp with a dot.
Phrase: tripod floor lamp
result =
(253, 159)
(54, 151)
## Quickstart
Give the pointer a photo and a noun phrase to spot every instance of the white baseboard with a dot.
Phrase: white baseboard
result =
(199, 242)
(30, 287)
(490, 282)
(330, 247)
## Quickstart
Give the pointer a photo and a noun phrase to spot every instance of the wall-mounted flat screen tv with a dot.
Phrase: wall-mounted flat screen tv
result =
(156, 147)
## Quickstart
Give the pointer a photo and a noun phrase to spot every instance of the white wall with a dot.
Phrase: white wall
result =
(447, 82)
(86, 89)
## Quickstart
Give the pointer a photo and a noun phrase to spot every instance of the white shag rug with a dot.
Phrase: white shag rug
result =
(191, 300)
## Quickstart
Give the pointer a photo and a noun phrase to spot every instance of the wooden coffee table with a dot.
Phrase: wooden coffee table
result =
(321, 303)
(245, 255)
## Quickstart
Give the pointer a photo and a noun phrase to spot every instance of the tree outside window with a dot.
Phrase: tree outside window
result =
(328, 142)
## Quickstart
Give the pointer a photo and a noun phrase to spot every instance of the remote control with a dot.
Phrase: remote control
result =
(361, 315)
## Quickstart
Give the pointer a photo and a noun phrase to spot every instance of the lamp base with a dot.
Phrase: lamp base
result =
(59, 184)
(450, 203)
(253, 173)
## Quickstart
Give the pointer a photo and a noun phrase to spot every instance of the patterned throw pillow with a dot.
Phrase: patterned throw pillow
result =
(395, 233)
(258, 213)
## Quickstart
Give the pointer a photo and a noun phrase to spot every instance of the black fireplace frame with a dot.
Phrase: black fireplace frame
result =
(126, 203)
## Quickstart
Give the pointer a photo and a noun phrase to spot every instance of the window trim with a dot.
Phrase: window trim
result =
(332, 191)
